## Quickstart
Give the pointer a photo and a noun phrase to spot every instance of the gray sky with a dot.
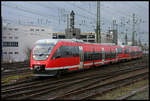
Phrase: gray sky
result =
(53, 14)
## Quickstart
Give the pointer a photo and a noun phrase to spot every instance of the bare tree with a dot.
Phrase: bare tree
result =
(28, 54)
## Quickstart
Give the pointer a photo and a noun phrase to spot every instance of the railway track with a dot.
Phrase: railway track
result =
(11, 69)
(18, 71)
(94, 88)
(21, 69)
(115, 66)
(111, 86)
(125, 97)
(51, 87)
(16, 65)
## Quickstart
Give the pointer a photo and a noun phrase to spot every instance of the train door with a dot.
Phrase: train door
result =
(116, 55)
(103, 55)
(81, 53)
(110, 54)
(93, 55)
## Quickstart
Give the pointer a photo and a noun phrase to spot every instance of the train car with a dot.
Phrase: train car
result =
(51, 57)
(131, 52)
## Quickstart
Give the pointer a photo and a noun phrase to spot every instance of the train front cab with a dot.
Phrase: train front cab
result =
(41, 54)
(65, 56)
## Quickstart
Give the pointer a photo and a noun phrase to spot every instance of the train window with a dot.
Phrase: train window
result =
(119, 50)
(57, 53)
(126, 50)
(89, 56)
(95, 56)
(42, 51)
(110, 54)
(107, 55)
(85, 56)
(113, 54)
(69, 51)
(75, 51)
(100, 55)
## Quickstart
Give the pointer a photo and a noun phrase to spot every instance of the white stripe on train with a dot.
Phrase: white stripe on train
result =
(66, 67)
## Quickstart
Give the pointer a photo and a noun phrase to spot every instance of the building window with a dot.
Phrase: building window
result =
(83, 36)
(61, 36)
(4, 52)
(10, 29)
(5, 28)
(10, 37)
(16, 37)
(16, 29)
(10, 44)
(4, 37)
(10, 52)
(91, 36)
(42, 29)
(54, 37)
(16, 52)
(37, 29)
(31, 29)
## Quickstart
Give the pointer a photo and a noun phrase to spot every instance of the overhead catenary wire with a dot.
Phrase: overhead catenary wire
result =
(85, 22)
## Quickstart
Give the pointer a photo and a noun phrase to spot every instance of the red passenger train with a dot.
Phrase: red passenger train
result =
(51, 57)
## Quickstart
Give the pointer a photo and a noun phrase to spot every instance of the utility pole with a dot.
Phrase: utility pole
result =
(67, 21)
(98, 30)
(133, 29)
(140, 42)
(116, 34)
(115, 28)
(126, 38)
(72, 14)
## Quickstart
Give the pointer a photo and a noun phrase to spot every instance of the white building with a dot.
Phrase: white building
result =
(18, 40)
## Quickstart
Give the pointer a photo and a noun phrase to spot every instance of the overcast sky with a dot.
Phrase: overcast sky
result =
(54, 15)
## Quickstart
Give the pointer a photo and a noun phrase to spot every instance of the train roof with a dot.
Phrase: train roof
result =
(70, 40)
(55, 41)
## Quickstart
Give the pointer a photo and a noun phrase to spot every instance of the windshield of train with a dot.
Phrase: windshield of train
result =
(42, 51)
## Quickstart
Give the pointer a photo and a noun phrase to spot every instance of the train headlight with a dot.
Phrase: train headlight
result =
(37, 68)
